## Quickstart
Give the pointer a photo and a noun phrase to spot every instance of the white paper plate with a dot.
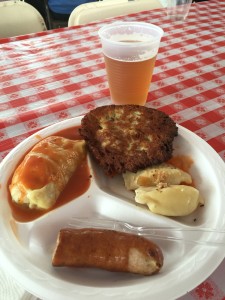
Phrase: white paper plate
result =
(28, 256)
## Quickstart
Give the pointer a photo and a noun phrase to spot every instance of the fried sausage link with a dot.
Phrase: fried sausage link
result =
(107, 249)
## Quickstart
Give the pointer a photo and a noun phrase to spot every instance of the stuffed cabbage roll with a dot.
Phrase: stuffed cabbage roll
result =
(46, 169)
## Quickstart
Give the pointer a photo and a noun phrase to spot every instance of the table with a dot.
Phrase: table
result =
(59, 74)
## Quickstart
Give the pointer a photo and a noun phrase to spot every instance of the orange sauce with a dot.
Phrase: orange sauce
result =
(70, 133)
(77, 185)
(34, 165)
(182, 162)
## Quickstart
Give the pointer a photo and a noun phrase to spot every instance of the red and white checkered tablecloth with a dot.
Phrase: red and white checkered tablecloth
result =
(55, 75)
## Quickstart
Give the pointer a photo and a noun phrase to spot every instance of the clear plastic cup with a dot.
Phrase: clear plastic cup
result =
(130, 50)
(178, 9)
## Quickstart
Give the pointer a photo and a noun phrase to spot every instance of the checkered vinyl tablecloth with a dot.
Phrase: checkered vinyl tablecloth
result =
(55, 75)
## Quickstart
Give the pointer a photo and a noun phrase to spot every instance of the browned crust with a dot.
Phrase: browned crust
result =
(106, 249)
(128, 137)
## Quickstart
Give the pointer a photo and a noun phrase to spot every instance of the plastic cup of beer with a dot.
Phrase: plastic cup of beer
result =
(178, 10)
(130, 50)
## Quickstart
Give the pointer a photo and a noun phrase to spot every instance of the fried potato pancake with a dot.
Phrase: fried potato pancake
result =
(128, 137)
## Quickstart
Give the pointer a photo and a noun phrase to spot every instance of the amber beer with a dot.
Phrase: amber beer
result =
(130, 50)
(129, 81)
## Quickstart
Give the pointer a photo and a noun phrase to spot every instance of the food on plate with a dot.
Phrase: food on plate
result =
(164, 189)
(128, 137)
(152, 176)
(173, 200)
(107, 249)
(44, 172)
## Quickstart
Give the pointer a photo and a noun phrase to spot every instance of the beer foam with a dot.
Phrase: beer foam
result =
(148, 54)
(131, 47)
(131, 37)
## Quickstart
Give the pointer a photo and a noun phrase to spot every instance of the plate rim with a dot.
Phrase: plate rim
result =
(32, 139)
